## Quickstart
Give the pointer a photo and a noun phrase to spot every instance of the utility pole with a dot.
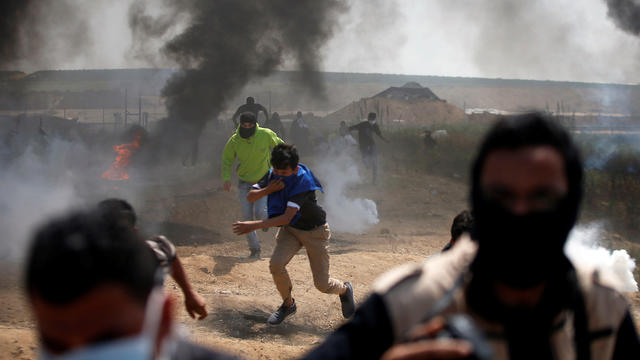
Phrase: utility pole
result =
(126, 113)
(139, 109)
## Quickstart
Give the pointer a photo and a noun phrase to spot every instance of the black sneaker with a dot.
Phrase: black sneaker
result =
(347, 301)
(283, 311)
(255, 254)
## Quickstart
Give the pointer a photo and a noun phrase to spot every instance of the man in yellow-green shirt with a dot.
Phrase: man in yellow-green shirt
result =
(251, 145)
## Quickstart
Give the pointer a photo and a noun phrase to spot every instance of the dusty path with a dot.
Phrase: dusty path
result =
(415, 214)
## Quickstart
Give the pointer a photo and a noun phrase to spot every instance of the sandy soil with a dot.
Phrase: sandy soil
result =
(415, 214)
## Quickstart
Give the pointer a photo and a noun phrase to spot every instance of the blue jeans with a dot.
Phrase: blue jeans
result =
(251, 211)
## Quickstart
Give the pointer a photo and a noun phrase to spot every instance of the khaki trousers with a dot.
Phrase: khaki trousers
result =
(316, 242)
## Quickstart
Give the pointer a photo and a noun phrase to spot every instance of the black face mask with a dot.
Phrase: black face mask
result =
(521, 251)
(246, 133)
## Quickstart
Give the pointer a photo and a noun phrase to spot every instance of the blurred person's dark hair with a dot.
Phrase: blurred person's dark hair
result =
(75, 254)
(462, 223)
(117, 212)
(284, 156)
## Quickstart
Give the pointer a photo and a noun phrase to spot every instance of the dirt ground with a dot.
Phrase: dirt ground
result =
(415, 215)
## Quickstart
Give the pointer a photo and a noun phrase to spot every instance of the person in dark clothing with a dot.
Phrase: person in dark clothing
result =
(299, 133)
(343, 141)
(462, 224)
(427, 140)
(119, 213)
(366, 129)
(275, 124)
(511, 277)
(95, 294)
(343, 130)
(290, 188)
(250, 107)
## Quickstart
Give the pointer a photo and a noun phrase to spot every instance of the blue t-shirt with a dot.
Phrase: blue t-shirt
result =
(299, 192)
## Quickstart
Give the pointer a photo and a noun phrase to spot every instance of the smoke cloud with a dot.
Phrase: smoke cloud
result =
(371, 34)
(226, 44)
(34, 188)
(50, 168)
(338, 171)
(584, 248)
(13, 12)
(546, 39)
(150, 30)
(34, 34)
(625, 14)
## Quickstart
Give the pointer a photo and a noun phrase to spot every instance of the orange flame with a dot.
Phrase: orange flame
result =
(118, 169)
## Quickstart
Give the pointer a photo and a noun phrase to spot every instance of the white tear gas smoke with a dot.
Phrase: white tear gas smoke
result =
(337, 172)
(615, 154)
(225, 45)
(33, 189)
(370, 31)
(43, 174)
(584, 248)
(625, 14)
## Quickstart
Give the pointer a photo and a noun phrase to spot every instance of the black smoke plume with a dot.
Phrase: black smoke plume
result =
(12, 14)
(227, 43)
(36, 34)
(625, 14)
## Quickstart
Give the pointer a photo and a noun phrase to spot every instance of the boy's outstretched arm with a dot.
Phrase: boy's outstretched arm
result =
(376, 130)
(245, 227)
(194, 303)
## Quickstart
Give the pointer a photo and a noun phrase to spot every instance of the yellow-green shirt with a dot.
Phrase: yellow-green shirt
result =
(253, 154)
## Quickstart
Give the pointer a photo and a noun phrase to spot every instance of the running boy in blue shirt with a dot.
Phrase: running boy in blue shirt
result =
(292, 205)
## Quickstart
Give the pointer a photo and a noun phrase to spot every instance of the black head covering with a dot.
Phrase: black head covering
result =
(512, 248)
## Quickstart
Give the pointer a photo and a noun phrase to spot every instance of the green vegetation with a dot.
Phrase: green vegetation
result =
(449, 156)
(612, 168)
(612, 183)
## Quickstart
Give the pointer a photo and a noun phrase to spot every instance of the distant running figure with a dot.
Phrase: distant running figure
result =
(299, 133)
(366, 129)
(250, 107)
(275, 124)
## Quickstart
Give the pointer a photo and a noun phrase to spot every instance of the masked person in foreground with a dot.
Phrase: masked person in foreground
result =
(251, 145)
(511, 278)
(96, 294)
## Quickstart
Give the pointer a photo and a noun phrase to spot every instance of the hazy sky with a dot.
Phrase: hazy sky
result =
(543, 39)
